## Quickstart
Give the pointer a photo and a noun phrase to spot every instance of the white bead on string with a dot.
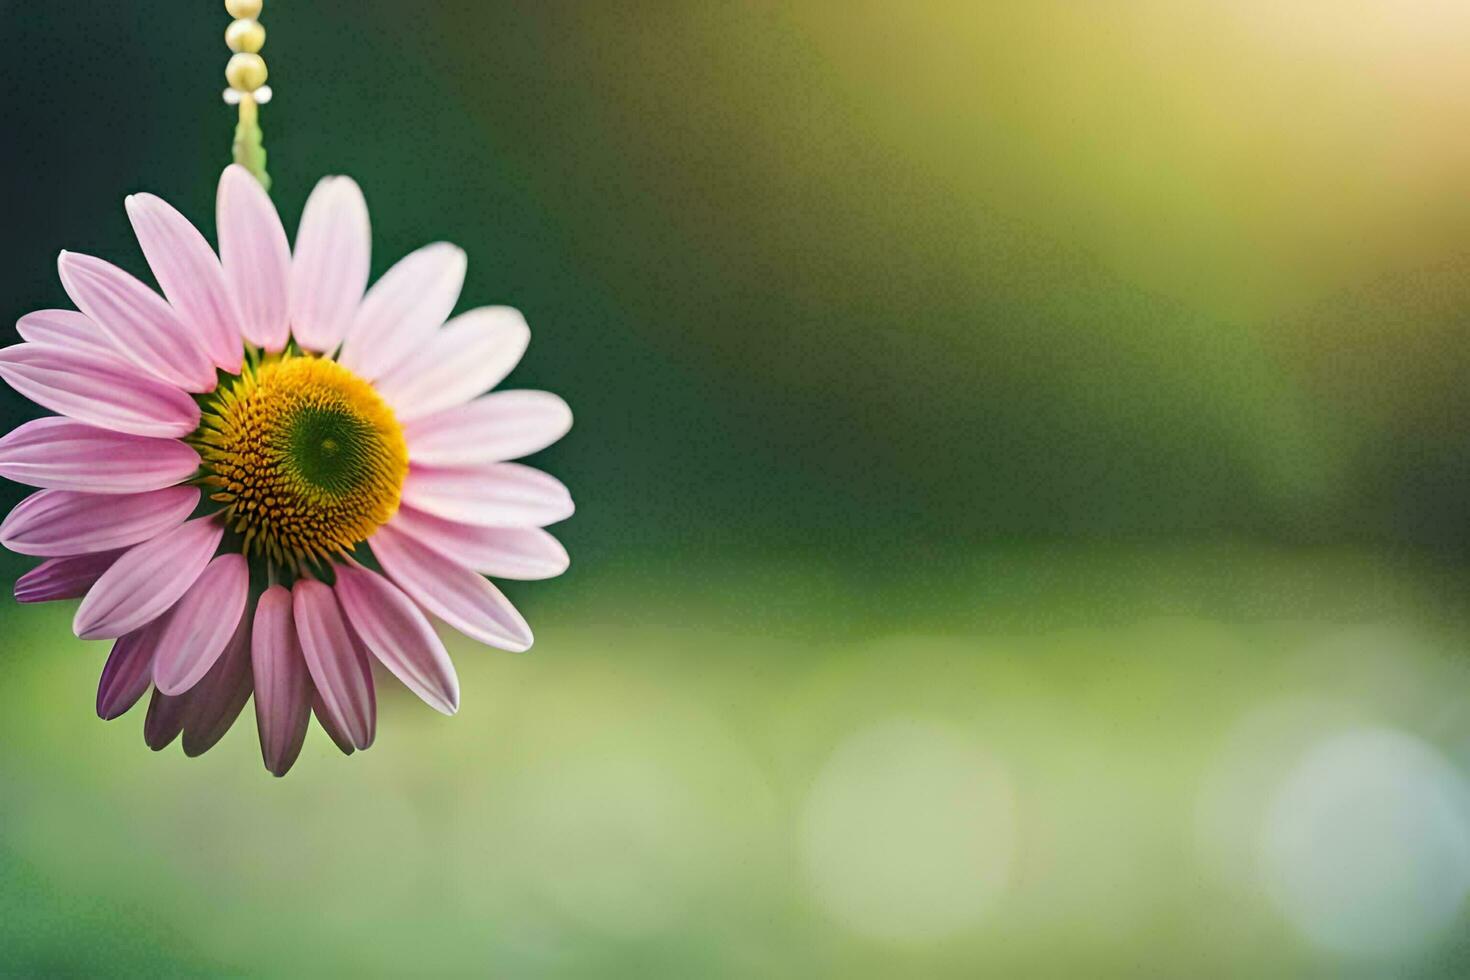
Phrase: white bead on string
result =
(246, 71)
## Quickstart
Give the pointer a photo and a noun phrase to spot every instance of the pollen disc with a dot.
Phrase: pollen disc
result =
(306, 457)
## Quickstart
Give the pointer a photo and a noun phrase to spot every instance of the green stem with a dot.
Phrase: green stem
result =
(249, 147)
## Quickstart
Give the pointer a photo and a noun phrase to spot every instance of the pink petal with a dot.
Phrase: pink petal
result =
(63, 578)
(127, 673)
(330, 267)
(67, 329)
(65, 522)
(199, 626)
(68, 455)
(502, 425)
(189, 274)
(217, 700)
(470, 355)
(98, 389)
(140, 325)
(500, 552)
(456, 595)
(165, 719)
(148, 579)
(490, 495)
(338, 665)
(283, 688)
(404, 309)
(399, 635)
(256, 258)
(334, 731)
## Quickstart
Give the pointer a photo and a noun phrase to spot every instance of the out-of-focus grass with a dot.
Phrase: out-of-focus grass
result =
(644, 793)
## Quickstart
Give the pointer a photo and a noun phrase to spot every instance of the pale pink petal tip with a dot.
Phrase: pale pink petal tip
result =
(137, 321)
(65, 455)
(63, 578)
(337, 663)
(488, 495)
(148, 579)
(189, 273)
(470, 355)
(464, 600)
(98, 389)
(404, 309)
(65, 522)
(500, 552)
(256, 258)
(393, 628)
(283, 690)
(200, 625)
(329, 269)
(502, 425)
(67, 330)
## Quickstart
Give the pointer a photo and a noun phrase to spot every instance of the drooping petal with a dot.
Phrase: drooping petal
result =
(65, 522)
(334, 731)
(68, 330)
(338, 665)
(329, 269)
(464, 600)
(63, 578)
(404, 309)
(98, 389)
(67, 455)
(217, 700)
(127, 673)
(148, 579)
(140, 325)
(283, 688)
(199, 626)
(189, 273)
(491, 495)
(256, 258)
(393, 628)
(165, 719)
(471, 354)
(500, 552)
(502, 425)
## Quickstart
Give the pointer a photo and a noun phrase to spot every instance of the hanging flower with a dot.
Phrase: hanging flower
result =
(264, 478)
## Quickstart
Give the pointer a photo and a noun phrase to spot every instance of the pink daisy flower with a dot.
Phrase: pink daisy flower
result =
(272, 474)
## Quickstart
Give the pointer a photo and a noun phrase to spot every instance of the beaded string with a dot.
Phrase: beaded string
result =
(246, 74)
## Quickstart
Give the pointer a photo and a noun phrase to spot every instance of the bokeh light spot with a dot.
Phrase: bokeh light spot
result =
(1366, 845)
(908, 832)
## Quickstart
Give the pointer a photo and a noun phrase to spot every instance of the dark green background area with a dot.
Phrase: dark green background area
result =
(1084, 379)
(780, 331)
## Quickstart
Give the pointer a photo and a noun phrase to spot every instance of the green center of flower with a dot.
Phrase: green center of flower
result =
(305, 456)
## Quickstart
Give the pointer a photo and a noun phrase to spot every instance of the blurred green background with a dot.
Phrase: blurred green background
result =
(1021, 485)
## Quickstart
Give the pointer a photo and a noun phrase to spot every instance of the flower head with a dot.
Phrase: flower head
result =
(271, 474)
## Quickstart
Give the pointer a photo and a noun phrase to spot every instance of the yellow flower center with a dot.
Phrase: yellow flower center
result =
(305, 456)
